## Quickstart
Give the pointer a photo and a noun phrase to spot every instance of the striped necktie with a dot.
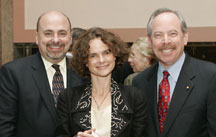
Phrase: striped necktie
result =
(57, 83)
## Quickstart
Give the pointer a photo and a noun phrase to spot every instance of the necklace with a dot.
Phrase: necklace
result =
(99, 105)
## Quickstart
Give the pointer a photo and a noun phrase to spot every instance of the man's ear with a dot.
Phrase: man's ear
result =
(186, 35)
(71, 39)
(36, 38)
(150, 42)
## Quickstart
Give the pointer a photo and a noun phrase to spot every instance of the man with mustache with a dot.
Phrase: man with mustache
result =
(180, 89)
(27, 98)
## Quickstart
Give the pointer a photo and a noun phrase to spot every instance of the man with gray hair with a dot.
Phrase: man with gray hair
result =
(180, 89)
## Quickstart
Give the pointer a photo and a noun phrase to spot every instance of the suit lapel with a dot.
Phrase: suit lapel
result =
(119, 108)
(182, 91)
(69, 74)
(73, 79)
(41, 81)
(83, 107)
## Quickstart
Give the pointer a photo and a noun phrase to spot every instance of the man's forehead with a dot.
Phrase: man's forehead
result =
(166, 20)
(166, 16)
(52, 14)
(54, 19)
(53, 25)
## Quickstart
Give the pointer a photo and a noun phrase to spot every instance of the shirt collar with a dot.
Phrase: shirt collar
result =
(174, 70)
(48, 64)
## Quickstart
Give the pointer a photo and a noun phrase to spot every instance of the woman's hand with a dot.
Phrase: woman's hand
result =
(87, 133)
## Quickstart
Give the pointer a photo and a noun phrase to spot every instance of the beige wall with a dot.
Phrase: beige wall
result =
(128, 18)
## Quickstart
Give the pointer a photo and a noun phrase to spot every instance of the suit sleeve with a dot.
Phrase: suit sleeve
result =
(8, 102)
(211, 108)
(63, 111)
(140, 114)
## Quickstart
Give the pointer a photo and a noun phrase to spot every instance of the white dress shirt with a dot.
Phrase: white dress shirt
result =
(51, 71)
(174, 72)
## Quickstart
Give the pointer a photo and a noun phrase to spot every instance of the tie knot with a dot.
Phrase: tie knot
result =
(56, 67)
(166, 73)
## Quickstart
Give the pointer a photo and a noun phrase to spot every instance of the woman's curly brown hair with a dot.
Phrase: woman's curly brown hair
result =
(81, 49)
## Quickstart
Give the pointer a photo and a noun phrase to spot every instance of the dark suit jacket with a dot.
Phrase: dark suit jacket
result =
(129, 112)
(192, 111)
(26, 103)
(121, 72)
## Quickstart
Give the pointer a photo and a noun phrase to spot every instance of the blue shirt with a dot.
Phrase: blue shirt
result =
(174, 72)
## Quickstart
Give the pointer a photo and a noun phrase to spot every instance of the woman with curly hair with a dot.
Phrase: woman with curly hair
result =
(101, 107)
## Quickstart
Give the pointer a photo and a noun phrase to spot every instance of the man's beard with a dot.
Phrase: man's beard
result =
(55, 55)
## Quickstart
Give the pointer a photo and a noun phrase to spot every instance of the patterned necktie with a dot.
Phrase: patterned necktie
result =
(57, 83)
(164, 100)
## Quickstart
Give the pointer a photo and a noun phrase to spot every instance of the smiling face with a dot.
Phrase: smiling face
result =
(54, 36)
(101, 60)
(167, 39)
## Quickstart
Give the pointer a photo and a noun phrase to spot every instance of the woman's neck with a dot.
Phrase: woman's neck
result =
(101, 85)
